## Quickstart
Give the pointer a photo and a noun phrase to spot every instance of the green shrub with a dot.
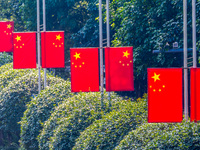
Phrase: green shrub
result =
(6, 67)
(11, 74)
(71, 117)
(107, 132)
(5, 58)
(163, 136)
(13, 100)
(39, 110)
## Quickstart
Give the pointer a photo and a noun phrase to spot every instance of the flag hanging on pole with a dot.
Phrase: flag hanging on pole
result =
(119, 69)
(165, 103)
(84, 69)
(24, 54)
(6, 36)
(52, 44)
(195, 95)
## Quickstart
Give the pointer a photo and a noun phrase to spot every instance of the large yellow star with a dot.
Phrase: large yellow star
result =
(77, 55)
(9, 26)
(58, 37)
(18, 38)
(126, 54)
(156, 77)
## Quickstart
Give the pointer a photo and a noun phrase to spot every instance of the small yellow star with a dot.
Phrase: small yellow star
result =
(58, 37)
(126, 54)
(77, 55)
(18, 38)
(9, 26)
(159, 90)
(156, 77)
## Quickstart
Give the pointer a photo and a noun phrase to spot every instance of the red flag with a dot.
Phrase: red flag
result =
(119, 69)
(53, 49)
(195, 94)
(6, 36)
(24, 54)
(165, 95)
(84, 69)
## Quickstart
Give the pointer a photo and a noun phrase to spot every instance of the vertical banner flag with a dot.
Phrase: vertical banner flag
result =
(119, 69)
(53, 49)
(6, 36)
(165, 95)
(84, 69)
(24, 54)
(195, 94)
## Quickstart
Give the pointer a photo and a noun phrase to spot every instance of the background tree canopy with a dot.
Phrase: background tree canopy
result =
(144, 24)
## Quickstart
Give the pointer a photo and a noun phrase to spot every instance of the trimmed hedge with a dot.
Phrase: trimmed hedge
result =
(13, 100)
(163, 136)
(6, 67)
(107, 132)
(39, 110)
(11, 74)
(5, 58)
(71, 117)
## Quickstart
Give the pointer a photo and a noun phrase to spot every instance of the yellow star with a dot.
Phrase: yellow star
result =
(58, 37)
(18, 38)
(126, 54)
(77, 55)
(9, 26)
(156, 77)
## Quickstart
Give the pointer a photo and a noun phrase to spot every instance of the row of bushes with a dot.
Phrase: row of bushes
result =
(58, 119)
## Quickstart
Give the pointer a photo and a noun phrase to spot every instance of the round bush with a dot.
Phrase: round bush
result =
(39, 110)
(13, 100)
(71, 117)
(5, 58)
(163, 136)
(11, 74)
(6, 67)
(107, 132)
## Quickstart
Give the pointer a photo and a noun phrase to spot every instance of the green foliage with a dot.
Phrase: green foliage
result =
(6, 67)
(5, 58)
(107, 132)
(7, 76)
(39, 110)
(13, 100)
(71, 117)
(163, 136)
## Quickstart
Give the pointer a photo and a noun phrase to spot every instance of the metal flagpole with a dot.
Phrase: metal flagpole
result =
(38, 45)
(44, 29)
(101, 49)
(194, 33)
(108, 37)
(185, 60)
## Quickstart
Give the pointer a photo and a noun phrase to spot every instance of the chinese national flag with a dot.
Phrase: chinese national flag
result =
(195, 94)
(119, 69)
(24, 54)
(6, 36)
(53, 49)
(165, 95)
(84, 69)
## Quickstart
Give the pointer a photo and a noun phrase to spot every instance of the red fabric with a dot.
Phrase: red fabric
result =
(53, 55)
(6, 36)
(195, 94)
(24, 54)
(119, 69)
(84, 69)
(165, 95)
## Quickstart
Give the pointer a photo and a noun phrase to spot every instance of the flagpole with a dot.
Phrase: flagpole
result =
(194, 33)
(38, 45)
(185, 60)
(101, 49)
(108, 38)
(44, 29)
